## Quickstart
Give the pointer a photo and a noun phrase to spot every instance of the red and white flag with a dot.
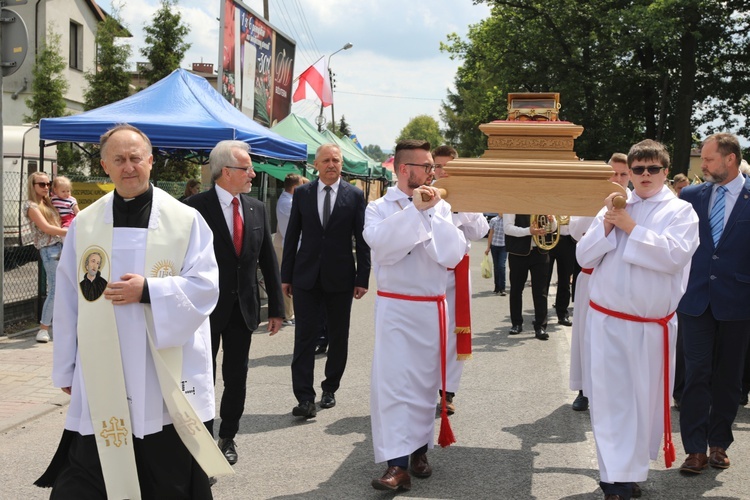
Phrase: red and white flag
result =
(315, 81)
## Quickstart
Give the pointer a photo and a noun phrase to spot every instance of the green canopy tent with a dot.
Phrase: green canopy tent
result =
(351, 150)
(299, 129)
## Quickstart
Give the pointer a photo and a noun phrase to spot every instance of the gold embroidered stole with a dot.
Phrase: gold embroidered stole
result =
(101, 361)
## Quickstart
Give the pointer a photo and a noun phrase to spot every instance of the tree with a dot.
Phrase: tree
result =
(374, 152)
(422, 127)
(342, 129)
(109, 81)
(626, 69)
(48, 82)
(165, 39)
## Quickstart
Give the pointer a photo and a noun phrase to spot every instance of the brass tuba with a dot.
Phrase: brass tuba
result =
(551, 237)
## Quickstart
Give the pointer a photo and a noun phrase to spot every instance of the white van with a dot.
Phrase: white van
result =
(20, 158)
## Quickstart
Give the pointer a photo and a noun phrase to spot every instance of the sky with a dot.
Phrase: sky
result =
(393, 73)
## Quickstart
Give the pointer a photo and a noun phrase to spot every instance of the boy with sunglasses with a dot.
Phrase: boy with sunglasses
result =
(640, 255)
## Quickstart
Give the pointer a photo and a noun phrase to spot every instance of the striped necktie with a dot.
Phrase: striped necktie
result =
(716, 218)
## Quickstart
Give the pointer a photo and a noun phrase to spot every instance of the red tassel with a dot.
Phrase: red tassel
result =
(445, 437)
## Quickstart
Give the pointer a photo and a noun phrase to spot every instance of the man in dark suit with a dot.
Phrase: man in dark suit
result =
(242, 242)
(713, 313)
(321, 274)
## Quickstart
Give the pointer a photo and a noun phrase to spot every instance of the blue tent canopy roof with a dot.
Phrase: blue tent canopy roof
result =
(181, 111)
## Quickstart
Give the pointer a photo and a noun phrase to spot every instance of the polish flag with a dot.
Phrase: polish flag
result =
(315, 81)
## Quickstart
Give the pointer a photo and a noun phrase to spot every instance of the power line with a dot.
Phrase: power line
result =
(389, 96)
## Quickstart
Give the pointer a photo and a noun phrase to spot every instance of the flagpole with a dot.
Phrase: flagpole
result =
(347, 46)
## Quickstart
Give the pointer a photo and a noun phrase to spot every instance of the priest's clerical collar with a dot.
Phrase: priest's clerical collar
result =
(133, 212)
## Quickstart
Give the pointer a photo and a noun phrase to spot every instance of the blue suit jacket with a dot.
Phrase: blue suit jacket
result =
(719, 275)
(326, 253)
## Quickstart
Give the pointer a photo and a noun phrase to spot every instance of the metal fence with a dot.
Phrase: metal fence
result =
(24, 281)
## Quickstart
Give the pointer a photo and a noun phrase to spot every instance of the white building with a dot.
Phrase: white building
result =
(76, 21)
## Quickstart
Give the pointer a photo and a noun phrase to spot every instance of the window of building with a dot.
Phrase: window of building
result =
(76, 46)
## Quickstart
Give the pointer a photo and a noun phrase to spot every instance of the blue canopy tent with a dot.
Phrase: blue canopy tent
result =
(181, 111)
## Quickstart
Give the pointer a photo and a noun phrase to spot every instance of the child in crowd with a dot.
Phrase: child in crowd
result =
(66, 205)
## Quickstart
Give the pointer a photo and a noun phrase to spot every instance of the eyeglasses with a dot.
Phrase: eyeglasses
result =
(428, 167)
(246, 169)
(44, 184)
(652, 169)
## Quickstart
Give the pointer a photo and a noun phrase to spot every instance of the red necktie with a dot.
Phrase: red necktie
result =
(239, 229)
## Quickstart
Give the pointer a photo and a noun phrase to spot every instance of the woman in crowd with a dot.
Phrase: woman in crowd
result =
(47, 236)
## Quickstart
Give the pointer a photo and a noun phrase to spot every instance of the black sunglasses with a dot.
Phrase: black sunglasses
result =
(652, 169)
(44, 184)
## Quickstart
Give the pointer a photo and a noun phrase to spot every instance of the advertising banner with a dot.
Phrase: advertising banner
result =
(257, 63)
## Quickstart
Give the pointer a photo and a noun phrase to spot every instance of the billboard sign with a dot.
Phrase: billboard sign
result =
(256, 65)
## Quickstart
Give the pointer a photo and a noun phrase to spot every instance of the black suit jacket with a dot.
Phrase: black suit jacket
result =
(326, 253)
(719, 275)
(238, 274)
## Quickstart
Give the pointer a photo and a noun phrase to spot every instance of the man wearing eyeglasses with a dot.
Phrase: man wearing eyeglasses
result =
(713, 313)
(640, 256)
(242, 243)
(414, 242)
(318, 271)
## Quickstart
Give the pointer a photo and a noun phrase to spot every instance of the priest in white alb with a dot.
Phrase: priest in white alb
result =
(136, 360)
(413, 242)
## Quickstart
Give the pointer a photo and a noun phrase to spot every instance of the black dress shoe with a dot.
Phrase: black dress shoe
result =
(515, 330)
(565, 321)
(212, 481)
(541, 334)
(229, 449)
(743, 399)
(328, 400)
(320, 349)
(305, 409)
(581, 402)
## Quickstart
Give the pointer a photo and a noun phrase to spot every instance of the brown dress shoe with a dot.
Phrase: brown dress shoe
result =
(694, 463)
(637, 492)
(420, 467)
(612, 497)
(717, 457)
(393, 479)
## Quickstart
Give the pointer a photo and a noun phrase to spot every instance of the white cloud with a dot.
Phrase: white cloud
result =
(395, 53)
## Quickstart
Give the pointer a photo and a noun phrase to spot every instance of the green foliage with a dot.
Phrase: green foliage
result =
(625, 70)
(374, 152)
(49, 84)
(171, 169)
(342, 129)
(422, 127)
(109, 81)
(165, 39)
(70, 160)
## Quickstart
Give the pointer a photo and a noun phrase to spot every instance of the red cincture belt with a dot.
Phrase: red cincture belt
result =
(446, 437)
(462, 309)
(669, 452)
(587, 270)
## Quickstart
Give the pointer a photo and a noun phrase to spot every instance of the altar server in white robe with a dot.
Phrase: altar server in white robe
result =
(474, 227)
(413, 244)
(641, 259)
(180, 304)
(580, 350)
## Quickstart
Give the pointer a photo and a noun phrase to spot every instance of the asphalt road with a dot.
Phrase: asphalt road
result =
(517, 435)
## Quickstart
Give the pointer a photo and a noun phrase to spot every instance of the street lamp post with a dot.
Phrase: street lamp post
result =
(320, 120)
